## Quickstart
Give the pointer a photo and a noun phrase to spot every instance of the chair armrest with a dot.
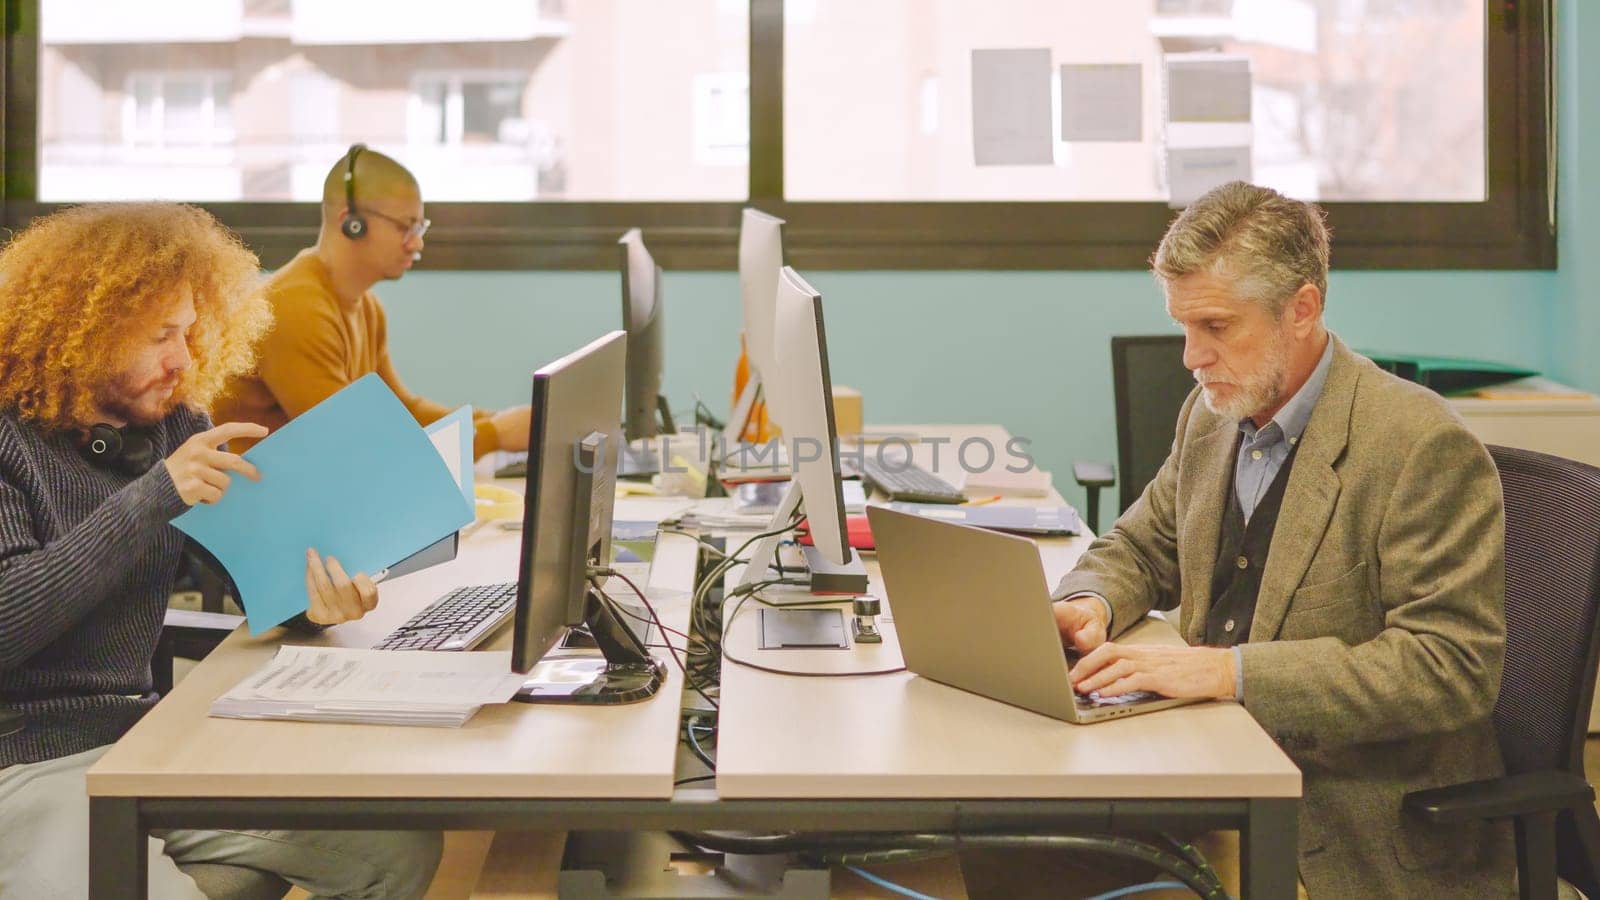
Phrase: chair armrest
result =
(201, 621)
(1094, 474)
(1498, 798)
(192, 635)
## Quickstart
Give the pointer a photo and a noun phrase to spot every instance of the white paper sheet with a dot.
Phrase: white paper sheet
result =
(1011, 107)
(1102, 102)
(1207, 87)
(378, 686)
(1193, 171)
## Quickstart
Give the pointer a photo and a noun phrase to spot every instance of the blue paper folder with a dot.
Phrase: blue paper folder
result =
(353, 477)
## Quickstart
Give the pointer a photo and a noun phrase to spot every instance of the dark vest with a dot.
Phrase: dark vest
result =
(1241, 557)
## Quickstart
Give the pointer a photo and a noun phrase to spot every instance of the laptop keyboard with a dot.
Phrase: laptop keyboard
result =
(1093, 700)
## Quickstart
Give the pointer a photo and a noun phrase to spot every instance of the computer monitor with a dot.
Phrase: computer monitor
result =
(574, 443)
(804, 388)
(760, 258)
(646, 414)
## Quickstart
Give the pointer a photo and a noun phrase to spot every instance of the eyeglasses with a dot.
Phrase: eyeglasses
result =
(414, 229)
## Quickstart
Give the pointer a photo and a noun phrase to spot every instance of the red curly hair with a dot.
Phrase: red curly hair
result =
(78, 285)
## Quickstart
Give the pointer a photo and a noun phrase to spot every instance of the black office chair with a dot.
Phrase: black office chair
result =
(1149, 385)
(187, 635)
(1552, 649)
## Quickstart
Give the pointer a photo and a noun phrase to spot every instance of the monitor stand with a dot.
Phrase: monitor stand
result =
(826, 576)
(641, 458)
(626, 674)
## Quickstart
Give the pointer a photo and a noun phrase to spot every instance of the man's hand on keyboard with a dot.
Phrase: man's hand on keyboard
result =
(335, 596)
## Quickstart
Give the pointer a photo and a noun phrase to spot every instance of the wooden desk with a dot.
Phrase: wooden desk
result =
(180, 768)
(878, 742)
(947, 761)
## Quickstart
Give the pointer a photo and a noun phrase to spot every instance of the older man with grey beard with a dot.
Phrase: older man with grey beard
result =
(1334, 540)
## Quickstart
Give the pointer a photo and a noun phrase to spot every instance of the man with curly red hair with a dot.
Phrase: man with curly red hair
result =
(121, 323)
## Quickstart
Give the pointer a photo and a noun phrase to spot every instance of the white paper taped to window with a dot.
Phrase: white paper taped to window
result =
(1011, 107)
(1194, 170)
(1102, 102)
(1207, 87)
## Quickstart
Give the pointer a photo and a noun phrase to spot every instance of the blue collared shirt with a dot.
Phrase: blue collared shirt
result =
(1262, 451)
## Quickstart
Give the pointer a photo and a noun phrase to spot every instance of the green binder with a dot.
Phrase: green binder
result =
(1447, 375)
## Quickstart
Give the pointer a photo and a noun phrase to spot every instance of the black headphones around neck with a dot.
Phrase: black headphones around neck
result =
(354, 226)
(130, 450)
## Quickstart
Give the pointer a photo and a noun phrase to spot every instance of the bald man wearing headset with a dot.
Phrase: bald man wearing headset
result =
(329, 327)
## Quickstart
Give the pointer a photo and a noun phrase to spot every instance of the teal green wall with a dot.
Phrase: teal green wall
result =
(1575, 314)
(1029, 350)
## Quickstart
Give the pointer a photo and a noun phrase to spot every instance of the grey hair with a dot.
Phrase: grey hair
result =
(1266, 244)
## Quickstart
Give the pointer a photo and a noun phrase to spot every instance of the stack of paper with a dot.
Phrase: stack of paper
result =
(378, 687)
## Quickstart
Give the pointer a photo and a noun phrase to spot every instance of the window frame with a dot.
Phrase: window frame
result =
(1513, 228)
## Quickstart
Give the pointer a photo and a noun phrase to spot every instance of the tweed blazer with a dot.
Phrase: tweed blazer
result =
(1375, 653)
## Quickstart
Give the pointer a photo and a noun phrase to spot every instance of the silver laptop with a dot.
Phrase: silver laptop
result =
(972, 610)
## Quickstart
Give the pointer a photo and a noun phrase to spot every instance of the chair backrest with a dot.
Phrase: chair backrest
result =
(1149, 383)
(1552, 584)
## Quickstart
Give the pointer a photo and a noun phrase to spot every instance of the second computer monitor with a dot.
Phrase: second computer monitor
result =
(805, 391)
(760, 259)
(804, 386)
(645, 414)
(566, 520)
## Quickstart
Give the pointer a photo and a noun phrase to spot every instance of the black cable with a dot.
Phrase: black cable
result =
(617, 607)
(1111, 845)
(693, 779)
(704, 416)
(698, 538)
(877, 857)
(648, 621)
(673, 651)
(705, 641)
(1197, 859)
(694, 745)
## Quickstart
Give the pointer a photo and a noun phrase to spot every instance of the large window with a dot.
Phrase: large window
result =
(1379, 101)
(890, 133)
(506, 101)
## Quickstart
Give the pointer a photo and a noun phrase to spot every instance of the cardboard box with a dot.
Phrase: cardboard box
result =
(846, 410)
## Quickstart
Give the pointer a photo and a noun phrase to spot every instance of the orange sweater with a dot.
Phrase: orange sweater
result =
(315, 348)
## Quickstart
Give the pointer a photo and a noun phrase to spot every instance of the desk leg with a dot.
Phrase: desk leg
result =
(117, 854)
(1268, 850)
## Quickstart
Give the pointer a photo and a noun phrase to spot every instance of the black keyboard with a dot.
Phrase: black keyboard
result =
(904, 480)
(460, 620)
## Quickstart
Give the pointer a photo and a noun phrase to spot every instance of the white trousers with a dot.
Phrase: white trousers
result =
(44, 818)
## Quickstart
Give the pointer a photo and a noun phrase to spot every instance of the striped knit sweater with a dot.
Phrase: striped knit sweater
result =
(87, 560)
